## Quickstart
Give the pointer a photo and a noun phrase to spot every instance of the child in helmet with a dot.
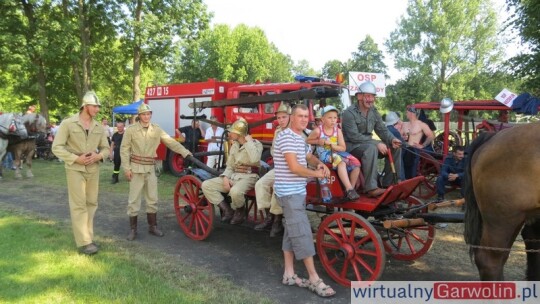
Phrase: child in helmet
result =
(331, 149)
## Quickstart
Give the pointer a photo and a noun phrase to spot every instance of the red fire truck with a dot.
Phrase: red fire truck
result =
(229, 101)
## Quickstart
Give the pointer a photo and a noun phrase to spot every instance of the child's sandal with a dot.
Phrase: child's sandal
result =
(321, 289)
(290, 281)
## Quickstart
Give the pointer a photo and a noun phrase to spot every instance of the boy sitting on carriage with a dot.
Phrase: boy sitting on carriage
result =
(331, 150)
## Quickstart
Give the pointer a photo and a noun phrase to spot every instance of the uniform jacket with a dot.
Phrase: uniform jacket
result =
(249, 154)
(358, 129)
(450, 165)
(139, 142)
(72, 140)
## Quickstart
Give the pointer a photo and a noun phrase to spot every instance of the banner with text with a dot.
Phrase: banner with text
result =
(506, 97)
(357, 78)
(445, 292)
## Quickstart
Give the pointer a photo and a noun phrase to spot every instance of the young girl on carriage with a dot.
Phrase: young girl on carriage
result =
(331, 150)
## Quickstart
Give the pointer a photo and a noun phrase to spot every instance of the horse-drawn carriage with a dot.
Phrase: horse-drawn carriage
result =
(466, 128)
(353, 238)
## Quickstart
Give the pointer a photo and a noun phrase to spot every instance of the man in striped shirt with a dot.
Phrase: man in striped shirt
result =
(291, 156)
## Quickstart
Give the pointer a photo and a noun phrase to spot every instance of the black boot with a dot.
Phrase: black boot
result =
(226, 212)
(133, 225)
(114, 178)
(277, 226)
(239, 216)
(152, 224)
(267, 223)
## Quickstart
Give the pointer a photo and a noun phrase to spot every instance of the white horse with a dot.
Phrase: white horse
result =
(11, 125)
(26, 147)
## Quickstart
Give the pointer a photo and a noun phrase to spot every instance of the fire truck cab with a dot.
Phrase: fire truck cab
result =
(171, 108)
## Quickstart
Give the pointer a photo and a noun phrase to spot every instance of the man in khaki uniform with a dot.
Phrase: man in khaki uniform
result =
(81, 143)
(138, 153)
(240, 175)
(264, 186)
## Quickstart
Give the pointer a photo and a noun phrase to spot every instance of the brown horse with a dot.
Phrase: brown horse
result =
(25, 148)
(502, 191)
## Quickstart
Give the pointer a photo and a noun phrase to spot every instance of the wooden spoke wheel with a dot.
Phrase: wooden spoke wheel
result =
(176, 164)
(430, 168)
(453, 140)
(409, 243)
(194, 213)
(350, 248)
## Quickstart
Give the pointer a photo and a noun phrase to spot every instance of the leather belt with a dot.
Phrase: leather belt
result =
(247, 169)
(142, 160)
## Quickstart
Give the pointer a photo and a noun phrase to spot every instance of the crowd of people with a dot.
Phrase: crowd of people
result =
(298, 153)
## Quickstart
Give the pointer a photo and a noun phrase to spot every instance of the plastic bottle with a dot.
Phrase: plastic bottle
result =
(326, 194)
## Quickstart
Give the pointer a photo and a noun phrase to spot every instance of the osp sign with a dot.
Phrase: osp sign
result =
(357, 78)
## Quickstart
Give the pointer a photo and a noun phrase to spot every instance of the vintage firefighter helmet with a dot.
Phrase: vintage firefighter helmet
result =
(143, 108)
(447, 105)
(367, 88)
(283, 108)
(90, 98)
(391, 118)
(239, 127)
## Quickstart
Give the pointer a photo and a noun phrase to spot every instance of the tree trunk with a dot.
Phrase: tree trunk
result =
(137, 56)
(84, 30)
(36, 58)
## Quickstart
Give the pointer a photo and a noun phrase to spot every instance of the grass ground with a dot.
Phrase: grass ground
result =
(39, 264)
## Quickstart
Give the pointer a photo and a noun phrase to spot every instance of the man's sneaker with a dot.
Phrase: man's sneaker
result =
(89, 249)
(352, 195)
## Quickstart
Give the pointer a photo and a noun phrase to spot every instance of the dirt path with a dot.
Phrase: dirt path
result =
(249, 258)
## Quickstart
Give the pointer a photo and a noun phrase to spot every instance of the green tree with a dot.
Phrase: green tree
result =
(302, 68)
(367, 58)
(446, 44)
(527, 65)
(242, 54)
(149, 30)
(334, 67)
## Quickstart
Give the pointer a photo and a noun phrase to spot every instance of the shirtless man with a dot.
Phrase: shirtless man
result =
(412, 131)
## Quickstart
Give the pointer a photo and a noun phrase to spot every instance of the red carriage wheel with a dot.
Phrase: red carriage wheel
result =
(194, 213)
(350, 249)
(430, 168)
(408, 243)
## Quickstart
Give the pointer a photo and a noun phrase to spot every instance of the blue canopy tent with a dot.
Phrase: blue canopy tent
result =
(130, 109)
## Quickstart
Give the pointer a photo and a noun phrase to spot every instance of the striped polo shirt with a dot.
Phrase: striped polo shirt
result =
(286, 182)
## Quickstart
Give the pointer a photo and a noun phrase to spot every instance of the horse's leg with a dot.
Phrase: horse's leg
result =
(531, 235)
(490, 262)
(17, 156)
(3, 149)
(30, 150)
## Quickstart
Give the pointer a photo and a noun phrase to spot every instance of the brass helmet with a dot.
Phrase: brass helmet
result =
(143, 108)
(90, 98)
(283, 108)
(239, 127)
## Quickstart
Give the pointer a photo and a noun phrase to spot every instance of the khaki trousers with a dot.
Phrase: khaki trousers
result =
(142, 184)
(213, 189)
(264, 190)
(83, 190)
